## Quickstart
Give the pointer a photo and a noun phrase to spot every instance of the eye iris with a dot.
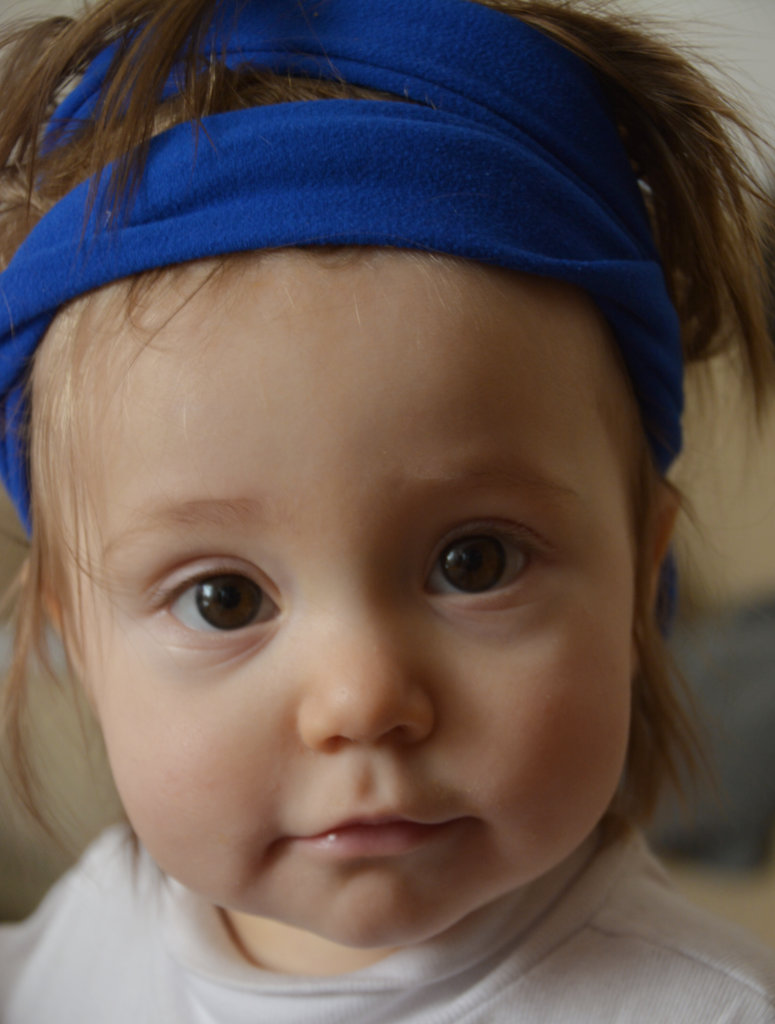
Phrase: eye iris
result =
(228, 602)
(474, 564)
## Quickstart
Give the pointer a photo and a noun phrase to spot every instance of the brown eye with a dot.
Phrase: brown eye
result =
(473, 564)
(222, 602)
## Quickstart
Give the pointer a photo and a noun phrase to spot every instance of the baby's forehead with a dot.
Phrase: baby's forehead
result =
(175, 316)
(150, 304)
(266, 378)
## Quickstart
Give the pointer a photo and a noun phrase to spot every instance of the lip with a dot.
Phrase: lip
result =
(375, 837)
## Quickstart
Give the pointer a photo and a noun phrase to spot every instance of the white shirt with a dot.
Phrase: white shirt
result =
(602, 938)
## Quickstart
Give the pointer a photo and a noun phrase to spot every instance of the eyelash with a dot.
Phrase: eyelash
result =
(517, 541)
(526, 542)
(234, 602)
(164, 596)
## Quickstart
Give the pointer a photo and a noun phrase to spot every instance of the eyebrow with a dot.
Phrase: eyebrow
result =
(221, 513)
(509, 476)
(232, 513)
(207, 512)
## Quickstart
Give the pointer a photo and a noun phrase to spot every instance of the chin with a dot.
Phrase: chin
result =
(368, 927)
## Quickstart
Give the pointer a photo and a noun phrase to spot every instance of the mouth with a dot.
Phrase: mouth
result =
(376, 837)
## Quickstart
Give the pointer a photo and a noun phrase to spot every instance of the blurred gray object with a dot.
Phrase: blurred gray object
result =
(728, 661)
(77, 799)
(12, 9)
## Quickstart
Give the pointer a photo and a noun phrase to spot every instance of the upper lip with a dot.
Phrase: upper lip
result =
(374, 820)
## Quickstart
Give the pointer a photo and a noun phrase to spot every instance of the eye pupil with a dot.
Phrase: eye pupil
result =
(474, 564)
(228, 602)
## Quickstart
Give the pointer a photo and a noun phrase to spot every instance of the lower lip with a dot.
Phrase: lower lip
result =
(385, 839)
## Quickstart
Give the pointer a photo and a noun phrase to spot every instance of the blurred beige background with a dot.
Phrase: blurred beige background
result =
(728, 556)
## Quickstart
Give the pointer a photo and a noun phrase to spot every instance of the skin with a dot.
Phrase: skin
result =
(380, 751)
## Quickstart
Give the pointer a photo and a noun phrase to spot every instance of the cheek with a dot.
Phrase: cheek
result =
(558, 735)
(585, 735)
(182, 766)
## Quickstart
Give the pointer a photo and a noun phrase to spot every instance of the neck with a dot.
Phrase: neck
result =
(278, 947)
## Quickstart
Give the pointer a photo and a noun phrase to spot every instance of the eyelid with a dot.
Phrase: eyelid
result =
(186, 609)
(164, 594)
(502, 529)
(527, 540)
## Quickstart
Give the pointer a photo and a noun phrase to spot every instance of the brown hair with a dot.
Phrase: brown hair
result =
(682, 137)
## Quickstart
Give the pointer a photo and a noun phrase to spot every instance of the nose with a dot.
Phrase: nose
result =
(363, 688)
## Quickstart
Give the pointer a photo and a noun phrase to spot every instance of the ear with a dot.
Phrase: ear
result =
(50, 603)
(61, 621)
(666, 506)
(52, 606)
(666, 510)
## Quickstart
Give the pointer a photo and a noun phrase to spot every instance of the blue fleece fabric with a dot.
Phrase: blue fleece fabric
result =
(503, 151)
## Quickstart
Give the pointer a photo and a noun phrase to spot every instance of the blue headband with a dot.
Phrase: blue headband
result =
(505, 153)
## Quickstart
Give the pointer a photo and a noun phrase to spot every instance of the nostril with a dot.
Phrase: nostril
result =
(367, 711)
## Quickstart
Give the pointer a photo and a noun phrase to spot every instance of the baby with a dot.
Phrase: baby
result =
(342, 349)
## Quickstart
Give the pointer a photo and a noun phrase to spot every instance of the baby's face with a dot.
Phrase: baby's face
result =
(358, 620)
